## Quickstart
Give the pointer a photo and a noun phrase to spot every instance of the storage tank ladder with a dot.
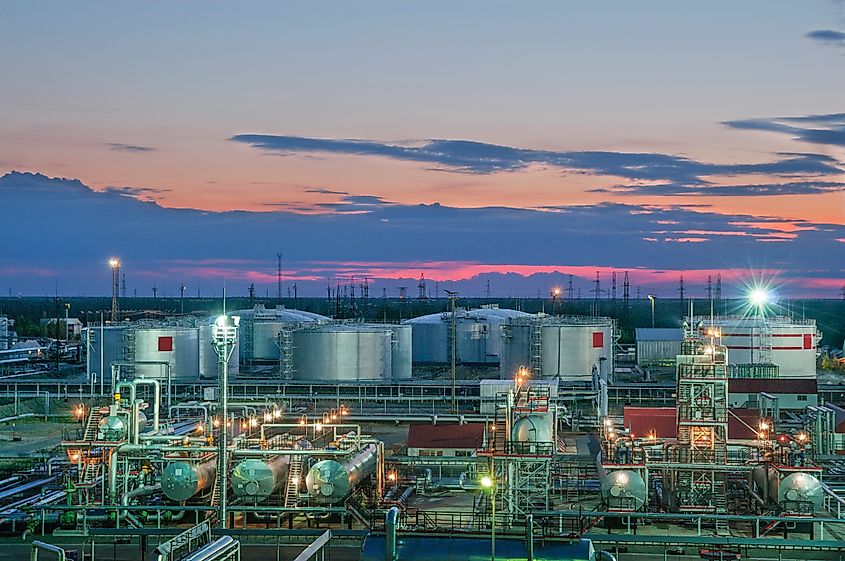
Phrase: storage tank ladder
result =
(284, 341)
(537, 349)
(765, 342)
(127, 371)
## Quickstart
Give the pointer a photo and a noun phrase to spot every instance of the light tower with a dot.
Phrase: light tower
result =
(114, 263)
(225, 339)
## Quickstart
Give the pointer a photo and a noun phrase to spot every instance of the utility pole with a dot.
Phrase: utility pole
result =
(182, 288)
(453, 296)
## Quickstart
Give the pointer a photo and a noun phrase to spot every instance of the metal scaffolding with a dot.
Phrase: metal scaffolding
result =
(702, 389)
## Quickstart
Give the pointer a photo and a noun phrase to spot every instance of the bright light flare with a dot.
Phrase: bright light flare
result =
(114, 262)
(486, 482)
(759, 297)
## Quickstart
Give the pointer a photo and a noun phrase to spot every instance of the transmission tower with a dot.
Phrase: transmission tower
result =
(626, 291)
(279, 277)
(681, 288)
(613, 286)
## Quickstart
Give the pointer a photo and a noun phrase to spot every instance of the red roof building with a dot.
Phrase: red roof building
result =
(445, 440)
(662, 420)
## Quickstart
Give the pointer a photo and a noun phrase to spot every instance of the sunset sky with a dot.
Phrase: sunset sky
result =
(466, 141)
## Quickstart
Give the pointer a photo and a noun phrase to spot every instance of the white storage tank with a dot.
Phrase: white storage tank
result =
(788, 343)
(177, 346)
(345, 352)
(564, 347)
(478, 340)
(402, 352)
(112, 351)
(259, 330)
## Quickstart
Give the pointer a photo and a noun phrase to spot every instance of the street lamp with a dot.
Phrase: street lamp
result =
(225, 338)
(651, 298)
(556, 292)
(489, 484)
(114, 263)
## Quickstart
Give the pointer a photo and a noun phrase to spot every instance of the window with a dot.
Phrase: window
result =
(802, 398)
(463, 453)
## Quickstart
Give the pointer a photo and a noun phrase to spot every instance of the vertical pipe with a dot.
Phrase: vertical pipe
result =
(102, 374)
(390, 523)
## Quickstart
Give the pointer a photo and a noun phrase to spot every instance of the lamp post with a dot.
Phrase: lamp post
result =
(556, 292)
(114, 263)
(651, 298)
(225, 338)
(489, 483)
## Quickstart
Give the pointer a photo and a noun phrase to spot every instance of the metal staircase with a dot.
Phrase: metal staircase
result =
(93, 424)
(294, 478)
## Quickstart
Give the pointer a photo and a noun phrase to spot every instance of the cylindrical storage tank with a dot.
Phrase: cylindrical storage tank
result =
(177, 346)
(478, 337)
(570, 347)
(351, 352)
(182, 480)
(331, 481)
(402, 352)
(113, 348)
(624, 489)
(789, 344)
(255, 480)
(111, 428)
(260, 327)
(800, 493)
(209, 362)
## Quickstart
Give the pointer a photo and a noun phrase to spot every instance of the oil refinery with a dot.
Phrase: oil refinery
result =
(465, 434)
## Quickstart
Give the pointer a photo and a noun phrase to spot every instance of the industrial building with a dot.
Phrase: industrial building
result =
(658, 346)
(478, 335)
(446, 440)
(568, 348)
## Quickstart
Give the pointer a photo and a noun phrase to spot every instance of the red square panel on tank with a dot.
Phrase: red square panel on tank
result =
(808, 341)
(165, 344)
(598, 339)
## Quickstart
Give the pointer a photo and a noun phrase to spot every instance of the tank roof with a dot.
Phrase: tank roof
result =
(478, 314)
(279, 313)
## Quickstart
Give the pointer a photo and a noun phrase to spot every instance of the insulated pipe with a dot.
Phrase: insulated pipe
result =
(390, 523)
(41, 546)
(298, 426)
(213, 550)
(189, 406)
(156, 397)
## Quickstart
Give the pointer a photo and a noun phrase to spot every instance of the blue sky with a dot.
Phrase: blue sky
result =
(722, 108)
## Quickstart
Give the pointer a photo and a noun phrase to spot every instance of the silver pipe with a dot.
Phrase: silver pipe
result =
(41, 546)
(390, 522)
